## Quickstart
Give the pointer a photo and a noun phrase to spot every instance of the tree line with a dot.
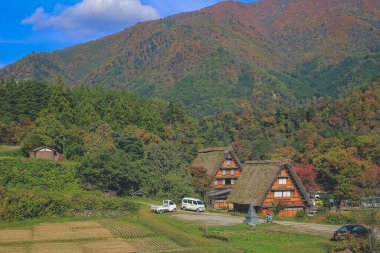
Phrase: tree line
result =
(126, 142)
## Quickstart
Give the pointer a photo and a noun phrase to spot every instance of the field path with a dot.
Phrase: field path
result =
(218, 219)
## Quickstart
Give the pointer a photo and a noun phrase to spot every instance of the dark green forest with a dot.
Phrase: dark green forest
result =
(118, 140)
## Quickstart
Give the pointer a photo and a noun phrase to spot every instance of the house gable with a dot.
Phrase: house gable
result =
(284, 189)
(227, 172)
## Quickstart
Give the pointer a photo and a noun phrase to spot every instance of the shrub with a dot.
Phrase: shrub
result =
(25, 204)
(277, 207)
(338, 219)
(300, 215)
(31, 188)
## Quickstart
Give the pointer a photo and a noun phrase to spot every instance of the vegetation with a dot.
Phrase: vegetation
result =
(35, 188)
(124, 142)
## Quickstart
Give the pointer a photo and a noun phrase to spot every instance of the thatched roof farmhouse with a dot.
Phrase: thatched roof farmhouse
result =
(266, 182)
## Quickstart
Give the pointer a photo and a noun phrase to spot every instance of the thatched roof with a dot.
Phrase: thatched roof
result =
(257, 179)
(211, 158)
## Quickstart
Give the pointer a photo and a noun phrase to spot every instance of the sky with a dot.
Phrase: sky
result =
(28, 26)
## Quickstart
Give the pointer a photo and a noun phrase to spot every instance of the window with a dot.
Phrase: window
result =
(282, 181)
(232, 181)
(216, 182)
(280, 194)
(228, 162)
(232, 172)
(343, 229)
(223, 182)
(224, 172)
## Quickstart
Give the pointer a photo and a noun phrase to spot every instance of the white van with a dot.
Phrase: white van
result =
(193, 204)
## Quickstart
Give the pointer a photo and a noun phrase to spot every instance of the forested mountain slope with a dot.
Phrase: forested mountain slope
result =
(214, 59)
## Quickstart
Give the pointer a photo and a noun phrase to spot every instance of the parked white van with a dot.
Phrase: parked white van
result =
(193, 204)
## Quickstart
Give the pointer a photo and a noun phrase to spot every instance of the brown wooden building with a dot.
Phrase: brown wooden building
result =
(46, 153)
(266, 182)
(224, 168)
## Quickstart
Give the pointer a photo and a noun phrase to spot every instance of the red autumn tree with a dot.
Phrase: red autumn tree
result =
(307, 175)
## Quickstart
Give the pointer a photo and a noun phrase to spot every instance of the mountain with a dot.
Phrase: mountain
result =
(217, 58)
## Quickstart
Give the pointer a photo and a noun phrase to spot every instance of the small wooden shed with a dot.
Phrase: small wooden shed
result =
(46, 153)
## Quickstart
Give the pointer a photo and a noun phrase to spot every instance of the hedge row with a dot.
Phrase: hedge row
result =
(17, 204)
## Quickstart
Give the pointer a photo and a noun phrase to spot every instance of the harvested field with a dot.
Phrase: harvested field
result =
(81, 237)
(12, 249)
(15, 235)
(112, 245)
(119, 229)
(68, 231)
(151, 244)
(56, 248)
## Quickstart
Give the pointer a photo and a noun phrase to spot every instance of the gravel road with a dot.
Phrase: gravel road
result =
(218, 219)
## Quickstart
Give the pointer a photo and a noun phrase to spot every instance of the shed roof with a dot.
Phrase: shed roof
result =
(44, 147)
(257, 179)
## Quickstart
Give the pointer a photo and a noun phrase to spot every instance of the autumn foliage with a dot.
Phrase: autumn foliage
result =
(307, 175)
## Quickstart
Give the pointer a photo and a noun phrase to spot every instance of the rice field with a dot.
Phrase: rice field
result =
(110, 235)
(120, 229)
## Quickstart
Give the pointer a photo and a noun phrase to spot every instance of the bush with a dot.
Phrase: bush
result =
(338, 219)
(31, 188)
(300, 215)
(25, 204)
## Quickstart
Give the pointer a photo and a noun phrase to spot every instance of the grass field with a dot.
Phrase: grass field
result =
(148, 232)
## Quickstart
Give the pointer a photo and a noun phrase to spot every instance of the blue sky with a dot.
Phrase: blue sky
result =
(46, 25)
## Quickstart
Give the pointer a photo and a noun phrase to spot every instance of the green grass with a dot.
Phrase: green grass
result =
(8, 147)
(10, 151)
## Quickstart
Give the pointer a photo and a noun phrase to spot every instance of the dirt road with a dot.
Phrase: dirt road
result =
(217, 219)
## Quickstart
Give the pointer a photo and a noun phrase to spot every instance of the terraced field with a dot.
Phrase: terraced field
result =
(120, 229)
(111, 235)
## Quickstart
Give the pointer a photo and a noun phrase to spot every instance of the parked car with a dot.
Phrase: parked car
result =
(346, 231)
(167, 206)
(193, 204)
(311, 212)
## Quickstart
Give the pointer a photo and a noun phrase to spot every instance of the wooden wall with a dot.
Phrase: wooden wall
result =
(293, 202)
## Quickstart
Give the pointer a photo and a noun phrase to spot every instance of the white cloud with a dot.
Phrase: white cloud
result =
(91, 18)
(2, 65)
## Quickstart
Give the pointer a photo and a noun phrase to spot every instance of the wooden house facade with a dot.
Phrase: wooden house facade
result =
(224, 168)
(265, 183)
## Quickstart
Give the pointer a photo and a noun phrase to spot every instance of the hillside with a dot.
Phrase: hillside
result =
(210, 60)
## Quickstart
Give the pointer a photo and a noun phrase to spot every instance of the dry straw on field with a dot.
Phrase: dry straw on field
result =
(56, 248)
(12, 249)
(15, 235)
(120, 229)
(69, 230)
(151, 244)
(111, 245)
